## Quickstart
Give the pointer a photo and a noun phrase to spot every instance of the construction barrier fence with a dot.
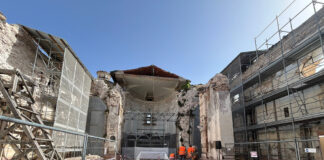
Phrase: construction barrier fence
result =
(294, 149)
(73, 145)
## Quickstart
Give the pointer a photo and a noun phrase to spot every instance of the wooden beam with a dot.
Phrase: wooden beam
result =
(12, 105)
(7, 71)
(14, 84)
(5, 132)
(26, 86)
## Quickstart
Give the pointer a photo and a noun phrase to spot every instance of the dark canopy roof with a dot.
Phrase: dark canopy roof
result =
(151, 70)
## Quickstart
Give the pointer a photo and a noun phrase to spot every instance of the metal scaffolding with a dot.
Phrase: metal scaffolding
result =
(276, 88)
(62, 87)
(148, 136)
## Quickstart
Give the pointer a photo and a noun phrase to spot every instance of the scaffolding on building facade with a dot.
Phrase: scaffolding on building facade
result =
(54, 91)
(277, 90)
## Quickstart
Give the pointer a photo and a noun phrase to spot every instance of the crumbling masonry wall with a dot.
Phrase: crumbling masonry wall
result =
(113, 97)
(215, 116)
(188, 102)
(17, 50)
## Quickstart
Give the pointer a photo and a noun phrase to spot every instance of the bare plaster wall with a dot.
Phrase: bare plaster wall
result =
(216, 116)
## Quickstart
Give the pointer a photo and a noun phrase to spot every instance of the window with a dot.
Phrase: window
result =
(236, 98)
(286, 111)
(235, 76)
(149, 97)
(3, 103)
(112, 138)
(148, 118)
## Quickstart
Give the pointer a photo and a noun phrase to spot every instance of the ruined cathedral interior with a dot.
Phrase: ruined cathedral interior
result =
(267, 103)
(155, 111)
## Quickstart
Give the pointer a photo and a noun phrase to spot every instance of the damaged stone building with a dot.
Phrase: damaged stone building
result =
(153, 112)
(43, 82)
(266, 104)
(142, 113)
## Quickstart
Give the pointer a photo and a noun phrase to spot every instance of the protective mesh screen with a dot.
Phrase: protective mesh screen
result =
(73, 101)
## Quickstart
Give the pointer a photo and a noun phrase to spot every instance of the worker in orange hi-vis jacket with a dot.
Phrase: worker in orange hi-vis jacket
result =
(182, 152)
(172, 156)
(194, 153)
(190, 152)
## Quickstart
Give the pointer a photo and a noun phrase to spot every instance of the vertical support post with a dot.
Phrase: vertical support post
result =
(256, 47)
(288, 90)
(292, 31)
(277, 130)
(14, 84)
(84, 149)
(115, 146)
(35, 60)
(164, 131)
(136, 133)
(320, 149)
(243, 103)
(264, 118)
(267, 44)
(189, 129)
(318, 25)
(50, 54)
(262, 101)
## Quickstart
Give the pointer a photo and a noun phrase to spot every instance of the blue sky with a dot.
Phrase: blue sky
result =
(193, 38)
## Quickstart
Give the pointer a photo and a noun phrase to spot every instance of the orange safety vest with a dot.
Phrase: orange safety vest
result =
(190, 151)
(172, 155)
(182, 150)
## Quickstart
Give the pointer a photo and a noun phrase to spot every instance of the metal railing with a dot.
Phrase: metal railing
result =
(284, 33)
(307, 149)
(84, 146)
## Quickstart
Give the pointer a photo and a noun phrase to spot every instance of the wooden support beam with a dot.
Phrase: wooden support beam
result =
(7, 71)
(26, 86)
(12, 105)
(16, 147)
(5, 132)
(14, 84)
(23, 154)
(11, 97)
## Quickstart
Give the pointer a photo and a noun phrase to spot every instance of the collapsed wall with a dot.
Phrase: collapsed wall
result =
(56, 83)
(215, 117)
(17, 49)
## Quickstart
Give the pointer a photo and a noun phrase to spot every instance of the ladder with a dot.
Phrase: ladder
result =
(300, 102)
(18, 97)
